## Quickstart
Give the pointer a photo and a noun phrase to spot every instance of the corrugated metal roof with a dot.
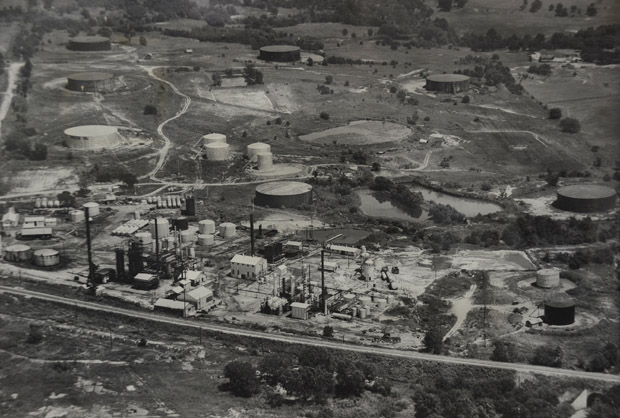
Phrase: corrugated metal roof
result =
(246, 259)
(170, 304)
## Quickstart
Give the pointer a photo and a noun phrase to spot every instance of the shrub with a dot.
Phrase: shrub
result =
(242, 378)
(555, 113)
(329, 79)
(324, 115)
(150, 110)
(466, 99)
(328, 331)
(570, 125)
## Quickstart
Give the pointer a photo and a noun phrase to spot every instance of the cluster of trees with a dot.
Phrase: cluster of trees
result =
(447, 5)
(252, 75)
(313, 375)
(445, 214)
(542, 69)
(570, 125)
(493, 72)
(399, 192)
(528, 231)
(107, 174)
(485, 238)
(21, 147)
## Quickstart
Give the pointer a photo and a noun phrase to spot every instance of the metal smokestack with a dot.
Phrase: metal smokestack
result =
(324, 307)
(91, 266)
(252, 234)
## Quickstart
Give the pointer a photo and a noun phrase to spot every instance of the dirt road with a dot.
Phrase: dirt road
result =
(8, 95)
(523, 368)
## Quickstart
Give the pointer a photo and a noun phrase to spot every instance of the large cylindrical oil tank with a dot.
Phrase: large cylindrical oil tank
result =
(289, 194)
(216, 151)
(18, 253)
(46, 257)
(548, 278)
(586, 198)
(206, 226)
(89, 43)
(206, 239)
(256, 148)
(447, 83)
(93, 208)
(90, 82)
(76, 216)
(560, 310)
(265, 161)
(37, 203)
(181, 223)
(187, 236)
(280, 53)
(228, 230)
(163, 228)
(214, 138)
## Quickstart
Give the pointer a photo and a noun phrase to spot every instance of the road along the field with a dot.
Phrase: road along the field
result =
(413, 355)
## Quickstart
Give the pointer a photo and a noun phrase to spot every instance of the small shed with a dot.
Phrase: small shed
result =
(146, 281)
(300, 310)
(329, 266)
(295, 245)
(195, 277)
(199, 297)
(534, 322)
(34, 222)
(174, 307)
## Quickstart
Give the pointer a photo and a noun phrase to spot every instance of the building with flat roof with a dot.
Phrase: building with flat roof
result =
(200, 297)
(174, 307)
(344, 250)
(34, 222)
(247, 267)
(299, 310)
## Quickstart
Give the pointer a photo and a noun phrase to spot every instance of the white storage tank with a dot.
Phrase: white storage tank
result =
(206, 239)
(76, 216)
(168, 243)
(46, 257)
(393, 285)
(214, 138)
(187, 236)
(381, 302)
(145, 237)
(216, 151)
(548, 278)
(18, 253)
(265, 161)
(56, 203)
(93, 208)
(257, 148)
(206, 226)
(228, 230)
(365, 300)
(368, 269)
(163, 228)
(37, 203)
(44, 202)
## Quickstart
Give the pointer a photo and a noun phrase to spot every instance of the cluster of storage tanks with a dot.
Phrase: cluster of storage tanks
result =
(20, 253)
(166, 201)
(215, 146)
(43, 202)
(260, 153)
(205, 236)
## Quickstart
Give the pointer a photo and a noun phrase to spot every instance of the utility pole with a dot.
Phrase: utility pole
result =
(91, 270)
(324, 305)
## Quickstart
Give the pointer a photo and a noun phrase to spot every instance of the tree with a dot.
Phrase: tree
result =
(328, 331)
(350, 381)
(39, 153)
(466, 99)
(503, 352)
(345, 32)
(555, 113)
(536, 5)
(47, 4)
(591, 10)
(274, 366)
(35, 336)
(444, 5)
(150, 110)
(376, 166)
(548, 356)
(242, 378)
(433, 341)
(370, 32)
(143, 41)
(329, 79)
(570, 125)
(324, 115)
(66, 199)
(252, 75)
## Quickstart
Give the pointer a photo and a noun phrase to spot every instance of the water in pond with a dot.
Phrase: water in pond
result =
(361, 132)
(468, 207)
(379, 205)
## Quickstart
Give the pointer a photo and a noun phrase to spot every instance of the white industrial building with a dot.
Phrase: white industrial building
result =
(343, 250)
(200, 297)
(174, 307)
(10, 219)
(195, 277)
(300, 310)
(34, 222)
(247, 267)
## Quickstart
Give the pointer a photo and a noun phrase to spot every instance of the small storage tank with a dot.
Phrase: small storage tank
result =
(393, 285)
(548, 278)
(46, 257)
(228, 230)
(381, 303)
(206, 226)
(214, 138)
(168, 243)
(145, 237)
(17, 253)
(368, 269)
(354, 312)
(187, 236)
(93, 208)
(365, 300)
(76, 216)
(361, 313)
(37, 203)
(136, 214)
(206, 239)
(265, 161)
(256, 148)
(44, 202)
(181, 223)
(163, 228)
(216, 151)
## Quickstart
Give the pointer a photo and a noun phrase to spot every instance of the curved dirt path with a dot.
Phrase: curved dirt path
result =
(12, 71)
(163, 153)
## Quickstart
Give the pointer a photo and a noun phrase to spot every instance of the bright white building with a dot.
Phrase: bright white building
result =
(247, 267)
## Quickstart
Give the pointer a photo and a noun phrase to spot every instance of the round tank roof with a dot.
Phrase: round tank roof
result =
(89, 39)
(91, 130)
(259, 145)
(560, 301)
(90, 205)
(280, 48)
(17, 248)
(214, 136)
(283, 188)
(447, 78)
(46, 252)
(587, 191)
(548, 271)
(90, 76)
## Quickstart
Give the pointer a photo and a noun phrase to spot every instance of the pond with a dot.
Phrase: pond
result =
(361, 132)
(379, 205)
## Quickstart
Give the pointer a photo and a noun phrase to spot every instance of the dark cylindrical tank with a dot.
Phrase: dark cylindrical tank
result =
(559, 311)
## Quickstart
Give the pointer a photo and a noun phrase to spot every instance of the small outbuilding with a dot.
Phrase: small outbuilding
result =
(300, 310)
(174, 307)
(200, 297)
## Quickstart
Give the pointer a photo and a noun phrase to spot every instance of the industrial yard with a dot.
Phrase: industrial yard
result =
(331, 183)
